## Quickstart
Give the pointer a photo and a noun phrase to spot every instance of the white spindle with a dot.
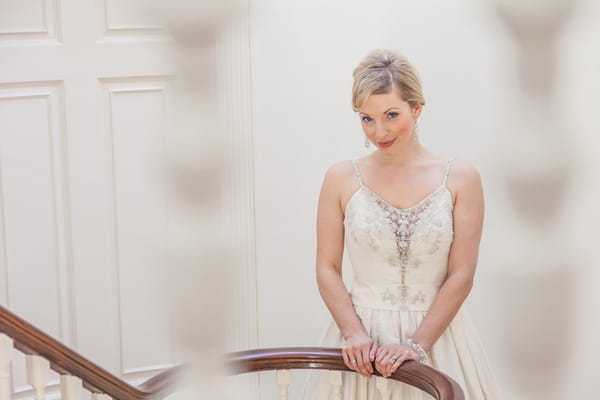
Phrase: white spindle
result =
(283, 380)
(71, 388)
(335, 382)
(100, 396)
(382, 385)
(6, 349)
(38, 375)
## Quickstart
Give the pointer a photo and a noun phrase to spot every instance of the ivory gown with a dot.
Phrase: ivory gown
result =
(400, 260)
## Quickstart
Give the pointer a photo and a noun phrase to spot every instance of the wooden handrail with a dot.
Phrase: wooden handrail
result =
(432, 381)
(30, 340)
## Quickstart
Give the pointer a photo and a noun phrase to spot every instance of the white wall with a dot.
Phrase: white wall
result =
(302, 59)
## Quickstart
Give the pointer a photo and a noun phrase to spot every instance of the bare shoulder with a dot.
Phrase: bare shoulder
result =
(339, 183)
(463, 177)
(339, 174)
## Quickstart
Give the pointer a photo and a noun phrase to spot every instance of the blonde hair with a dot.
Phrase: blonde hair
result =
(383, 71)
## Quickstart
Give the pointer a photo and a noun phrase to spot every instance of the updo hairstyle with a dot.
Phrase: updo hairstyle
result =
(383, 71)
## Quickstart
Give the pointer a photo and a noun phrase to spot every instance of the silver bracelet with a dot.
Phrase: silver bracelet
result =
(418, 349)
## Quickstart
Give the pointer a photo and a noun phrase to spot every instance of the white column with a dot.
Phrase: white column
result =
(38, 375)
(6, 349)
(100, 396)
(283, 380)
(335, 384)
(71, 388)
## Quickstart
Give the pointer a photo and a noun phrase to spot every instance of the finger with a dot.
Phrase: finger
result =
(386, 363)
(361, 365)
(381, 361)
(347, 359)
(367, 360)
(374, 349)
(381, 353)
(394, 366)
(379, 368)
(397, 363)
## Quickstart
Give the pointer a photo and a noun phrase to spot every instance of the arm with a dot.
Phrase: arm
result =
(330, 246)
(462, 260)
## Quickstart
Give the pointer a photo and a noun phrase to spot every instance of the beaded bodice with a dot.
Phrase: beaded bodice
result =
(399, 256)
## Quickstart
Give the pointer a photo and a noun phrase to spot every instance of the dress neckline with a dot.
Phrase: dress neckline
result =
(423, 200)
(403, 210)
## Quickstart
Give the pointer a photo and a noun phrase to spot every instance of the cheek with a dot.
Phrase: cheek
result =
(403, 124)
(368, 130)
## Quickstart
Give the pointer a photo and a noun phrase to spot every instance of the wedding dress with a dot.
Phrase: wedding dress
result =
(400, 260)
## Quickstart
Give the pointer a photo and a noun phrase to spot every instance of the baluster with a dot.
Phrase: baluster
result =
(38, 375)
(100, 396)
(283, 380)
(71, 388)
(6, 349)
(335, 381)
(382, 385)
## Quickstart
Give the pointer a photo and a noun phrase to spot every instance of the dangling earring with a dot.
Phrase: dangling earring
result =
(367, 143)
(415, 132)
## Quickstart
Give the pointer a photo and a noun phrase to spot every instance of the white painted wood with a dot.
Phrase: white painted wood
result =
(100, 396)
(234, 94)
(33, 21)
(137, 114)
(283, 381)
(71, 388)
(38, 375)
(335, 385)
(33, 188)
(59, 218)
(6, 350)
(235, 103)
(382, 386)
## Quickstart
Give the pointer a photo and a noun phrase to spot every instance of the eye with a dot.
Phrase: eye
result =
(366, 119)
(392, 115)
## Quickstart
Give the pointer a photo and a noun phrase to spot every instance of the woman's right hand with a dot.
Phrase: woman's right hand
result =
(359, 353)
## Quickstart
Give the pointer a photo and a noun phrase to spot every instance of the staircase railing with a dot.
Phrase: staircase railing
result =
(45, 352)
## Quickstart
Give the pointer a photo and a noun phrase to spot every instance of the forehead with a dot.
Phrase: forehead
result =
(379, 103)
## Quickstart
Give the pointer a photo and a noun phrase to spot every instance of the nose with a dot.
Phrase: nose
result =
(380, 131)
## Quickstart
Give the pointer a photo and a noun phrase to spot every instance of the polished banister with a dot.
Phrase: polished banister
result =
(30, 340)
(434, 382)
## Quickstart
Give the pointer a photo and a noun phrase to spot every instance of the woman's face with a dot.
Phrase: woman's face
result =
(387, 120)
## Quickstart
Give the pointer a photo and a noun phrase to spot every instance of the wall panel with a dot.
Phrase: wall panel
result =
(29, 20)
(35, 225)
(136, 112)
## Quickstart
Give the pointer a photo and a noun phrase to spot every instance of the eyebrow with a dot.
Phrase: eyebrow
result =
(391, 108)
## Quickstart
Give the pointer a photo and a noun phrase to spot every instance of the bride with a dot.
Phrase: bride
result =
(411, 220)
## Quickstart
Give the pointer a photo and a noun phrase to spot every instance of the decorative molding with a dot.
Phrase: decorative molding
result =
(48, 33)
(235, 105)
(3, 260)
(124, 86)
(52, 93)
(129, 32)
(64, 242)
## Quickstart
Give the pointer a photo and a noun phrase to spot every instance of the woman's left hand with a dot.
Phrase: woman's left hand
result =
(389, 357)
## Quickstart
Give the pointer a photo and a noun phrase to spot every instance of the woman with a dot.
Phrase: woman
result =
(412, 222)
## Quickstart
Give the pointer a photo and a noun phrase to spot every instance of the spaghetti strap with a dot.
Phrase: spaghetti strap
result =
(358, 175)
(447, 171)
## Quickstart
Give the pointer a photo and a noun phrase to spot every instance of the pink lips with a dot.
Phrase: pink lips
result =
(386, 144)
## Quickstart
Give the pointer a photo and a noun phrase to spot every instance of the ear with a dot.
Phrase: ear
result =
(417, 110)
